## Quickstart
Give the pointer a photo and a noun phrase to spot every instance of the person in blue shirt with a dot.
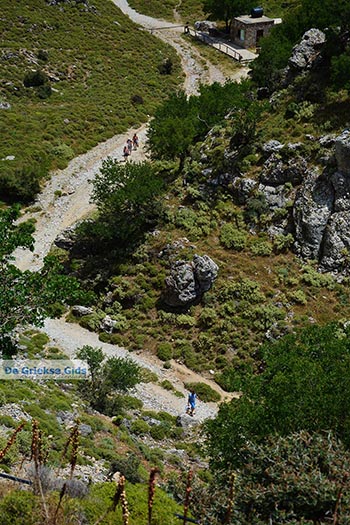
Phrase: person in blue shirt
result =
(191, 403)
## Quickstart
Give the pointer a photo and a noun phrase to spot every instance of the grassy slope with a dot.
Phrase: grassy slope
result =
(220, 330)
(100, 59)
(189, 10)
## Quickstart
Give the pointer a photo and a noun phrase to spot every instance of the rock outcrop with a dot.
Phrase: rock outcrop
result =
(305, 54)
(188, 281)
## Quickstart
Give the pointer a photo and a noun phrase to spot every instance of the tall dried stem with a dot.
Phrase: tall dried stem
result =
(187, 495)
(123, 500)
(36, 456)
(11, 441)
(230, 500)
(151, 491)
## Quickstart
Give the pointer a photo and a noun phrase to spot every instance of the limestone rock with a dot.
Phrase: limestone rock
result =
(80, 311)
(342, 152)
(312, 209)
(275, 196)
(188, 281)
(336, 244)
(186, 422)
(242, 189)
(66, 239)
(180, 285)
(276, 172)
(205, 271)
(108, 324)
(272, 146)
(307, 51)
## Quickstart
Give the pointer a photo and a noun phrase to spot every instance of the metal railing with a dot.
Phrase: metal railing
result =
(224, 48)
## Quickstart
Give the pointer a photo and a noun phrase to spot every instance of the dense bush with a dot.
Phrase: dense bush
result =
(165, 351)
(230, 237)
(204, 392)
(35, 79)
(303, 385)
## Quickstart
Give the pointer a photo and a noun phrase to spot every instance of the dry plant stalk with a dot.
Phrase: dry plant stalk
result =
(36, 456)
(116, 499)
(11, 441)
(75, 446)
(123, 501)
(62, 493)
(187, 495)
(230, 500)
(151, 491)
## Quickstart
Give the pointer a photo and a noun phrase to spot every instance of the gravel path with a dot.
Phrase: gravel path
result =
(66, 199)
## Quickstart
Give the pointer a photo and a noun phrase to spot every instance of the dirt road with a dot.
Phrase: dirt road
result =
(66, 199)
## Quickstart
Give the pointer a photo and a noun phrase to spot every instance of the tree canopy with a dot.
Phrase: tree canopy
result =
(28, 297)
(227, 9)
(304, 385)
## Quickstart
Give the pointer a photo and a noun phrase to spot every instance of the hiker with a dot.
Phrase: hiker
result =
(129, 145)
(191, 403)
(135, 141)
(126, 153)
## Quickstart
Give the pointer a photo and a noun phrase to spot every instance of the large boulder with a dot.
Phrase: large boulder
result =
(276, 172)
(342, 152)
(242, 188)
(180, 285)
(336, 244)
(312, 210)
(307, 51)
(188, 281)
(205, 272)
(275, 196)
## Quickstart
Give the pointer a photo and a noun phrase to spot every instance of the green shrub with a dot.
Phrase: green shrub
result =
(204, 392)
(165, 351)
(230, 237)
(35, 79)
(128, 466)
(262, 248)
(298, 296)
(19, 507)
(139, 427)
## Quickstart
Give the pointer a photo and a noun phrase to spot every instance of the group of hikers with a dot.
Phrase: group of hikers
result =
(131, 144)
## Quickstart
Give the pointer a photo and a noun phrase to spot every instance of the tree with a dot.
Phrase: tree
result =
(109, 378)
(27, 297)
(294, 479)
(128, 198)
(172, 130)
(227, 9)
(304, 385)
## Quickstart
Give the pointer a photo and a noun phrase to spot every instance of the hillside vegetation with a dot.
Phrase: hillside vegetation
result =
(99, 76)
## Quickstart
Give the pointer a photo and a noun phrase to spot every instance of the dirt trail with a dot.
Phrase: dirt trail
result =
(66, 199)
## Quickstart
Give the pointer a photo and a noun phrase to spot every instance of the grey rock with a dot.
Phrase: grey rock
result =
(186, 422)
(206, 271)
(4, 105)
(80, 311)
(242, 188)
(312, 209)
(276, 172)
(205, 25)
(108, 324)
(327, 141)
(341, 185)
(188, 281)
(272, 146)
(66, 239)
(307, 51)
(336, 244)
(275, 196)
(85, 430)
(180, 285)
(342, 152)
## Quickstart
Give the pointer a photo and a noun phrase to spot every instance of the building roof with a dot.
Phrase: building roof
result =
(247, 19)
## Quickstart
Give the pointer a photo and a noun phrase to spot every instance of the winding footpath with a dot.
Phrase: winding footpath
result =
(66, 199)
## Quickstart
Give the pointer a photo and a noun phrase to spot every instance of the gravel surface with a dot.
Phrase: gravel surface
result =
(66, 199)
